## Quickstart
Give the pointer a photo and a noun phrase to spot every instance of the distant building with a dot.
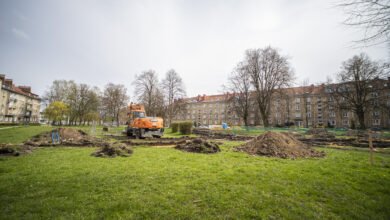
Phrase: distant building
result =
(17, 103)
(307, 106)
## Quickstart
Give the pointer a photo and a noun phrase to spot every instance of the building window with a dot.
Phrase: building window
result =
(297, 107)
(297, 100)
(345, 114)
(376, 122)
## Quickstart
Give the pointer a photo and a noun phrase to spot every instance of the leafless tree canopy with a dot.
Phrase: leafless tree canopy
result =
(173, 88)
(240, 87)
(268, 71)
(148, 92)
(356, 87)
(58, 91)
(371, 15)
(114, 100)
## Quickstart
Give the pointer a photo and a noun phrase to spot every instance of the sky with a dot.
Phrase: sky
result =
(102, 41)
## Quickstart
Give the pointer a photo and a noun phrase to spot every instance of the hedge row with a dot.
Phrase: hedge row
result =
(184, 127)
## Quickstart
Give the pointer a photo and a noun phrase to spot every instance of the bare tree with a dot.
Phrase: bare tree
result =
(355, 88)
(239, 85)
(173, 88)
(83, 101)
(114, 100)
(371, 15)
(148, 92)
(269, 71)
(307, 91)
(58, 91)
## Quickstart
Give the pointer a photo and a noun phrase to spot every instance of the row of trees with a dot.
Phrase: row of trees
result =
(80, 103)
(264, 72)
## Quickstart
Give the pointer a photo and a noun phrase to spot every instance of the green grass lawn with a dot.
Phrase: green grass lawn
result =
(16, 135)
(164, 183)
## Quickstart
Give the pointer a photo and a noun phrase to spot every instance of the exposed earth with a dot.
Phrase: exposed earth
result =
(279, 144)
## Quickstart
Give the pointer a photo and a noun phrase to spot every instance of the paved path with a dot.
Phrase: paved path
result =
(9, 127)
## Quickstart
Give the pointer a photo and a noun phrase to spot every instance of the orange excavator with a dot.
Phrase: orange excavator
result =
(140, 126)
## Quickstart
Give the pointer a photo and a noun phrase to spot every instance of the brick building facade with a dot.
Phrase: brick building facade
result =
(17, 103)
(308, 106)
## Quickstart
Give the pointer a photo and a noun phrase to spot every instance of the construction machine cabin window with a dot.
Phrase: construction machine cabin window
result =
(138, 114)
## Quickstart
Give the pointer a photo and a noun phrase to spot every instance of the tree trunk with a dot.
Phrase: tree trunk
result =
(264, 117)
(360, 115)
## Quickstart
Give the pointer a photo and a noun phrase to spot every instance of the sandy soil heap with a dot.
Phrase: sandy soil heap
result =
(113, 150)
(198, 146)
(68, 137)
(320, 133)
(278, 144)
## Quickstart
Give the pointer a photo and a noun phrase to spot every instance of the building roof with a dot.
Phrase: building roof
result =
(8, 85)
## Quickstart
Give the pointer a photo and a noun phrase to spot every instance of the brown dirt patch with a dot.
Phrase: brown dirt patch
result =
(320, 133)
(68, 137)
(113, 150)
(14, 150)
(198, 146)
(279, 144)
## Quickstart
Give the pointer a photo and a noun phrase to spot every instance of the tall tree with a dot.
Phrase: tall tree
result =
(239, 85)
(269, 71)
(58, 91)
(173, 88)
(373, 16)
(307, 91)
(148, 92)
(114, 99)
(56, 111)
(355, 88)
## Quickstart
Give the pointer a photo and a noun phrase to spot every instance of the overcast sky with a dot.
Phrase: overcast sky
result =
(97, 42)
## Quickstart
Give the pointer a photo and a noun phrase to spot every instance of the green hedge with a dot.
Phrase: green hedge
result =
(175, 127)
(185, 127)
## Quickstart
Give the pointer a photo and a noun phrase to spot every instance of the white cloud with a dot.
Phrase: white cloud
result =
(20, 34)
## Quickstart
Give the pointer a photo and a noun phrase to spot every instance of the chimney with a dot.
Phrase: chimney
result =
(8, 83)
(26, 89)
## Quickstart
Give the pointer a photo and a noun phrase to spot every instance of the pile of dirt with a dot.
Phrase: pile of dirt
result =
(113, 150)
(275, 144)
(320, 133)
(198, 146)
(67, 137)
(14, 150)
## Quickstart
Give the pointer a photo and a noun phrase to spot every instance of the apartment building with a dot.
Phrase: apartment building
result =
(17, 103)
(307, 106)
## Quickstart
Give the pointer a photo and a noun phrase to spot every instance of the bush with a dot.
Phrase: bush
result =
(175, 127)
(185, 127)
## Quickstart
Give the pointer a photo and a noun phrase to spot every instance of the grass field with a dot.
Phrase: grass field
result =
(164, 183)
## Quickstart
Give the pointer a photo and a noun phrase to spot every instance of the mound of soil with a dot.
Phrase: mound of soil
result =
(275, 144)
(320, 133)
(14, 150)
(198, 146)
(68, 137)
(113, 150)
